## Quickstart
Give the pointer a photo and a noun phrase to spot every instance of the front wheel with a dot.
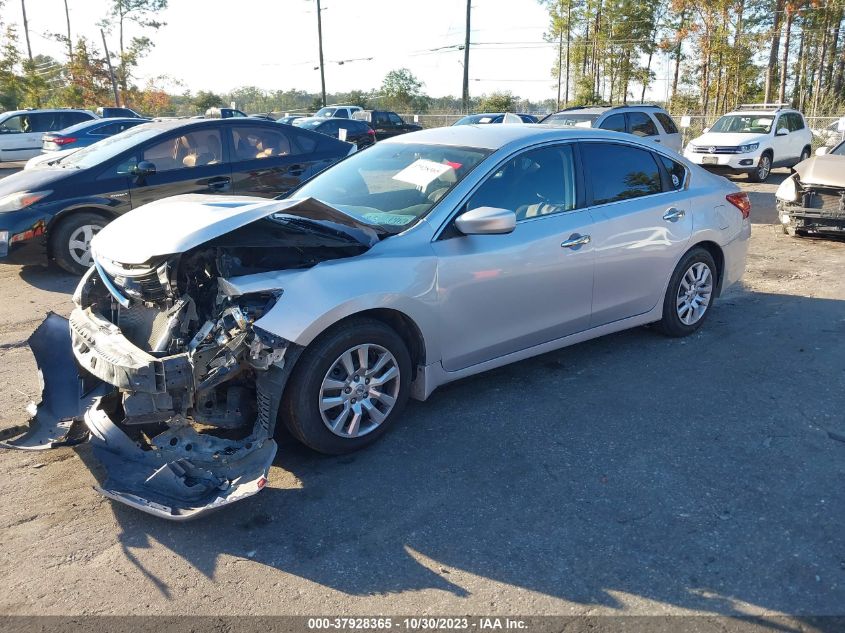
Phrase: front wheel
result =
(764, 168)
(690, 294)
(71, 241)
(348, 387)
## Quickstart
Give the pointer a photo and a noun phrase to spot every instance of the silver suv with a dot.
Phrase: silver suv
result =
(21, 130)
(641, 119)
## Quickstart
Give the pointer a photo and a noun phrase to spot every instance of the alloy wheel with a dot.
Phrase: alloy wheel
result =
(79, 245)
(694, 293)
(359, 391)
(764, 167)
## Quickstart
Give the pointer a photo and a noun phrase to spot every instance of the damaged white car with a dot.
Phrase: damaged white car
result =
(812, 200)
(425, 259)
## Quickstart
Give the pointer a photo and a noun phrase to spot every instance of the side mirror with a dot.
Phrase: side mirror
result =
(822, 151)
(782, 132)
(486, 221)
(143, 169)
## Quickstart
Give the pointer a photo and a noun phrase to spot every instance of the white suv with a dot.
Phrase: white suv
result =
(21, 130)
(752, 140)
(640, 119)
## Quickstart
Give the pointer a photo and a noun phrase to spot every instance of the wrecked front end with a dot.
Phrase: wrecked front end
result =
(812, 201)
(178, 389)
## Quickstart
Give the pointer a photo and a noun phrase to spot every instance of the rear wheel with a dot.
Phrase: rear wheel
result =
(348, 388)
(805, 154)
(690, 294)
(71, 241)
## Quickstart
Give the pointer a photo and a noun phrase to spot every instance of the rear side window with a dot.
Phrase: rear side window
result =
(620, 172)
(305, 142)
(615, 123)
(251, 142)
(795, 122)
(677, 173)
(667, 122)
(67, 119)
(641, 124)
(113, 128)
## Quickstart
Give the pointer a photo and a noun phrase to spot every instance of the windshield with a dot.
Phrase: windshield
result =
(110, 147)
(391, 184)
(743, 124)
(839, 150)
(325, 112)
(478, 118)
(570, 119)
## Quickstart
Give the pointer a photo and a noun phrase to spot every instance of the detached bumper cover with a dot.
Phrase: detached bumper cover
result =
(180, 473)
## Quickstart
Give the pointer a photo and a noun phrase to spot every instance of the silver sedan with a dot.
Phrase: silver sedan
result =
(425, 259)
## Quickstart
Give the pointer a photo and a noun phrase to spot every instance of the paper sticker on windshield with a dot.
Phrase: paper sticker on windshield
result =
(485, 119)
(388, 219)
(421, 172)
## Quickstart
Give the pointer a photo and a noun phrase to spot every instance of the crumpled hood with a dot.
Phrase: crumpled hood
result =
(177, 224)
(827, 171)
(727, 139)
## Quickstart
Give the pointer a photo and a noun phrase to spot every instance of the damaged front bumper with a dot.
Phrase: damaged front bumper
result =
(130, 405)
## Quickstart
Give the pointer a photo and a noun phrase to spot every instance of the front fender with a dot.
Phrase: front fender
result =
(315, 299)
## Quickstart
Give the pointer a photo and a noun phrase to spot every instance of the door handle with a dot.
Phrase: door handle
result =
(219, 183)
(575, 241)
(657, 140)
(673, 215)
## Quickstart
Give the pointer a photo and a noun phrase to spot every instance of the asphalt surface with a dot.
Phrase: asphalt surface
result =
(633, 474)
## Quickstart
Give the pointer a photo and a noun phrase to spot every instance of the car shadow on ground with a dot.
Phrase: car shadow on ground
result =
(49, 277)
(624, 465)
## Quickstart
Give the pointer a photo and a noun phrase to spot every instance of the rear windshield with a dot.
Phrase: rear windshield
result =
(570, 119)
(308, 124)
(111, 146)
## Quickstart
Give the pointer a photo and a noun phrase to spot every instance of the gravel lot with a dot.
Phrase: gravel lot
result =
(628, 475)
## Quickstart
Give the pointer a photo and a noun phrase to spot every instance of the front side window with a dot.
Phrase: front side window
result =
(196, 148)
(536, 183)
(13, 124)
(641, 124)
(614, 123)
(259, 142)
(394, 119)
(667, 122)
(393, 185)
(620, 172)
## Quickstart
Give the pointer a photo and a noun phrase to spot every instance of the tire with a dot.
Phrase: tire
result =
(70, 242)
(319, 377)
(805, 154)
(763, 170)
(677, 320)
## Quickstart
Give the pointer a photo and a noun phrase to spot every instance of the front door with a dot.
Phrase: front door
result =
(500, 294)
(20, 138)
(643, 222)
(190, 161)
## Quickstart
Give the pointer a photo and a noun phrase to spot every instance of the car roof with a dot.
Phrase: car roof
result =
(494, 137)
(84, 125)
(47, 110)
(762, 112)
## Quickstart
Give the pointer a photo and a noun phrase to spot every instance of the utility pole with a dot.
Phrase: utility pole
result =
(568, 37)
(559, 66)
(69, 41)
(320, 39)
(26, 29)
(111, 71)
(466, 60)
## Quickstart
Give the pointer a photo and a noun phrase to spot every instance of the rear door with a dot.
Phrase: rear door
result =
(642, 224)
(670, 137)
(192, 160)
(266, 160)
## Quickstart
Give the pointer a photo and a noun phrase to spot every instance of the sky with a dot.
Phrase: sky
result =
(219, 45)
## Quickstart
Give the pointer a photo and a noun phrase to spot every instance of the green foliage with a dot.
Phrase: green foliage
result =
(402, 91)
(498, 102)
(205, 100)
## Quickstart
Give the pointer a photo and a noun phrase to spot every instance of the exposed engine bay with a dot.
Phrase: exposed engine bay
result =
(178, 389)
(812, 200)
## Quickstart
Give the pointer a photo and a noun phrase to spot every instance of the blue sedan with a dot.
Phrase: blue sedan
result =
(86, 133)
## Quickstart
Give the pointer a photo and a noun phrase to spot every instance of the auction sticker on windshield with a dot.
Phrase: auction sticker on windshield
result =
(421, 172)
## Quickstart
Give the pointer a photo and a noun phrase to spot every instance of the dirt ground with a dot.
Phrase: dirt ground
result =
(628, 475)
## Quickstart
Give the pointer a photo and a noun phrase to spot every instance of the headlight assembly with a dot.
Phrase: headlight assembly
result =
(749, 147)
(21, 200)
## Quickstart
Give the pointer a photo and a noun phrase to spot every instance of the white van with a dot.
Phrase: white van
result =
(21, 130)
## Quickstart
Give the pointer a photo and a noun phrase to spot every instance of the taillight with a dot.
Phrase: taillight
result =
(63, 140)
(371, 132)
(740, 201)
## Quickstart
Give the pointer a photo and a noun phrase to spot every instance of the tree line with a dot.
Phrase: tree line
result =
(720, 52)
